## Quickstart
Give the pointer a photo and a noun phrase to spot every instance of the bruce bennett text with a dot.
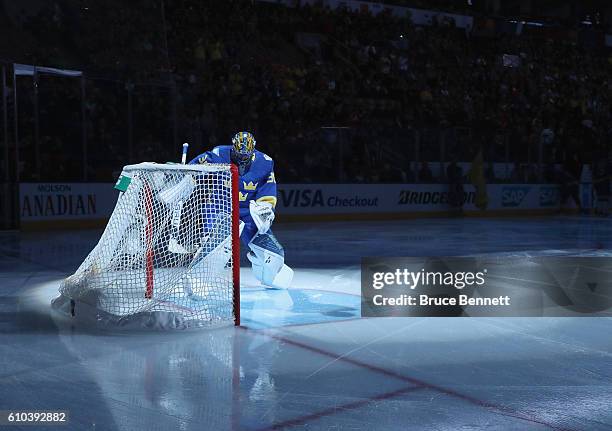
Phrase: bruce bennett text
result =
(427, 300)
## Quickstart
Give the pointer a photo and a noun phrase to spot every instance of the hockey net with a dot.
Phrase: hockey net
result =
(169, 256)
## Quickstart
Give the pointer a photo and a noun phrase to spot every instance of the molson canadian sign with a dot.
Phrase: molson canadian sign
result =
(54, 201)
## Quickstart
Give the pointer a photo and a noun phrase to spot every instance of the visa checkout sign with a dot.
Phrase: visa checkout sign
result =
(330, 198)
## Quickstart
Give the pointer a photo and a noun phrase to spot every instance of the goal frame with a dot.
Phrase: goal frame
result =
(88, 305)
(235, 196)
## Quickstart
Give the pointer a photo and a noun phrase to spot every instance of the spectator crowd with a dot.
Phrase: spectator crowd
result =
(330, 94)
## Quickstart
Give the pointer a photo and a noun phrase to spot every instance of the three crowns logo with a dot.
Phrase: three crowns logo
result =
(249, 186)
(242, 196)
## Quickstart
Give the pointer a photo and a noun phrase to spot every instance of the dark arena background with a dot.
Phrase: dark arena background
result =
(402, 138)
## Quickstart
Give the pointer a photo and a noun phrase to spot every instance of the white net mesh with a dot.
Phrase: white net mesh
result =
(167, 248)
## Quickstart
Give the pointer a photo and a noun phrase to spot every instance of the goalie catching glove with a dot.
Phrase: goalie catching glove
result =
(262, 214)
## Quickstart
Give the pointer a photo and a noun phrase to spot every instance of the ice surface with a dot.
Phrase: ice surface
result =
(303, 358)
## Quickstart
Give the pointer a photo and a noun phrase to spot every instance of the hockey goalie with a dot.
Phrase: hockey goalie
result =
(257, 195)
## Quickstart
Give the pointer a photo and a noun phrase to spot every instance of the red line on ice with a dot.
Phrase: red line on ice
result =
(506, 411)
(338, 409)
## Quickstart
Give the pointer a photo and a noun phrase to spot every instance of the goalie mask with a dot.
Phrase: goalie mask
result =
(243, 147)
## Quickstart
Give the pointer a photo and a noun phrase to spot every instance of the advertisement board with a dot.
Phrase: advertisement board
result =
(94, 202)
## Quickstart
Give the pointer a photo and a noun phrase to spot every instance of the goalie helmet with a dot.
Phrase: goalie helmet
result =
(243, 147)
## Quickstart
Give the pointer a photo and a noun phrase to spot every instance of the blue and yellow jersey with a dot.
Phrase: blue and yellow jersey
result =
(258, 183)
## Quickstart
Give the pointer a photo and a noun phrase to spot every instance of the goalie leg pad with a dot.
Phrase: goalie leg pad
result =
(267, 258)
(268, 242)
(249, 231)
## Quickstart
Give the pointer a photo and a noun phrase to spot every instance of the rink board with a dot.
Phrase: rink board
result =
(67, 205)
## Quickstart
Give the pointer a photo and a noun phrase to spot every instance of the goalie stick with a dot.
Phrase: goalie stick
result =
(173, 244)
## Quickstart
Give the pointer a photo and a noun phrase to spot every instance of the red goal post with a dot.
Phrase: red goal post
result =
(236, 241)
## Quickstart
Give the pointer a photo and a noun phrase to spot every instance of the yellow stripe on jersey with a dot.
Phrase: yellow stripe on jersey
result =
(269, 199)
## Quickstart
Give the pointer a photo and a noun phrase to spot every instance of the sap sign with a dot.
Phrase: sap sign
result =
(549, 196)
(514, 196)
